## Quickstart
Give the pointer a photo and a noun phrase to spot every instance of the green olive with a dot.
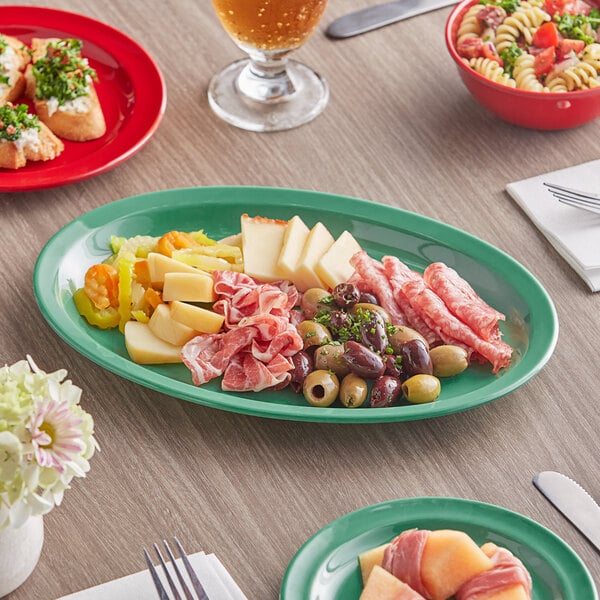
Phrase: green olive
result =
(313, 333)
(421, 388)
(405, 334)
(353, 391)
(373, 308)
(320, 388)
(448, 360)
(329, 358)
(311, 301)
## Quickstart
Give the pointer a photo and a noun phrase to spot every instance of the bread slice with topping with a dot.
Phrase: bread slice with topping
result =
(14, 57)
(61, 84)
(23, 137)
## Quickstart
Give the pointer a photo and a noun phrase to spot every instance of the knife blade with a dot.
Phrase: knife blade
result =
(380, 15)
(573, 502)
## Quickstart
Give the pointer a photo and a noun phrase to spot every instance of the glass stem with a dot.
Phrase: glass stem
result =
(265, 78)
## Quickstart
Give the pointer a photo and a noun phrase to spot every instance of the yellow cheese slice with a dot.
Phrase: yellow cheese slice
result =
(334, 266)
(145, 348)
(159, 264)
(163, 326)
(294, 238)
(318, 242)
(188, 287)
(196, 317)
(262, 240)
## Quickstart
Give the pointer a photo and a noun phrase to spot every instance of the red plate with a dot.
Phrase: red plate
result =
(126, 73)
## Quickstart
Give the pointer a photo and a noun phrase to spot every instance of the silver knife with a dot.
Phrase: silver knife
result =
(380, 15)
(573, 502)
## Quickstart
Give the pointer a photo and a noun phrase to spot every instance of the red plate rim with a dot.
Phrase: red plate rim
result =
(124, 138)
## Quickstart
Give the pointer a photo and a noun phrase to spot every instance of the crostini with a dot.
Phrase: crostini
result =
(61, 85)
(14, 57)
(23, 137)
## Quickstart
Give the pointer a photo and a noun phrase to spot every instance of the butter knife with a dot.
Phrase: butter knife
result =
(573, 502)
(380, 15)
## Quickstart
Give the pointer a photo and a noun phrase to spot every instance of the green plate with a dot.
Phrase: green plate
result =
(531, 326)
(326, 566)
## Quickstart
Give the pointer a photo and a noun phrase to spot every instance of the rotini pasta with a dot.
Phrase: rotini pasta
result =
(519, 43)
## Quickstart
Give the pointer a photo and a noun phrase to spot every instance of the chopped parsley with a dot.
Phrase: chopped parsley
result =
(508, 5)
(3, 46)
(63, 74)
(509, 56)
(14, 120)
(574, 26)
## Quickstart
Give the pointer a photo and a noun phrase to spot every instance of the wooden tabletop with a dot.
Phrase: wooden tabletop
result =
(400, 129)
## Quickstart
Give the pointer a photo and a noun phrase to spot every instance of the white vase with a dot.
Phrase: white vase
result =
(20, 551)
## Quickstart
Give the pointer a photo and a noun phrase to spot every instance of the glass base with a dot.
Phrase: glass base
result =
(307, 100)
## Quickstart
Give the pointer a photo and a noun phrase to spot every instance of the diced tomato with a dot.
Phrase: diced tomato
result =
(565, 47)
(543, 62)
(570, 7)
(546, 36)
(489, 51)
(470, 48)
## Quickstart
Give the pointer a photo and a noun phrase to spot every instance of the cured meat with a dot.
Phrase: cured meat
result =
(193, 354)
(245, 373)
(373, 273)
(508, 571)
(437, 316)
(463, 301)
(402, 558)
(398, 273)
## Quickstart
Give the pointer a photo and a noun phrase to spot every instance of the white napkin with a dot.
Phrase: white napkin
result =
(216, 580)
(575, 233)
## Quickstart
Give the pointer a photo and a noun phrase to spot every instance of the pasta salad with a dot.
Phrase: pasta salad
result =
(535, 45)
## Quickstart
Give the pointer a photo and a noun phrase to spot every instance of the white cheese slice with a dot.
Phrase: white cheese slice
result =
(145, 348)
(294, 238)
(334, 266)
(262, 240)
(318, 242)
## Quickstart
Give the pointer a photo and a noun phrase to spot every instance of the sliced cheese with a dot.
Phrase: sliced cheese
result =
(163, 326)
(294, 238)
(262, 240)
(188, 287)
(318, 242)
(199, 319)
(145, 348)
(334, 266)
(159, 264)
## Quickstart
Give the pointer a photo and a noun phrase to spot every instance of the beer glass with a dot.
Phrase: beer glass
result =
(267, 91)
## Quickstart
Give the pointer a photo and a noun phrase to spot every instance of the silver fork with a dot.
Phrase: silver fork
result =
(162, 592)
(583, 200)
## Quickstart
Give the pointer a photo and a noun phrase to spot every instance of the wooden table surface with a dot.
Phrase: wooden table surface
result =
(400, 129)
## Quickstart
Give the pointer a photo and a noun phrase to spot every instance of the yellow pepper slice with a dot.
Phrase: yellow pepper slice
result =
(126, 266)
(106, 318)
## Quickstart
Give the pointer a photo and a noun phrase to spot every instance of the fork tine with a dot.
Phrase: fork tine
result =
(162, 593)
(184, 586)
(590, 208)
(202, 595)
(572, 192)
(172, 585)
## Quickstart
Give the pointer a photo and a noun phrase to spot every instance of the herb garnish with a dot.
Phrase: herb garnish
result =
(574, 26)
(510, 6)
(14, 120)
(3, 46)
(63, 74)
(509, 56)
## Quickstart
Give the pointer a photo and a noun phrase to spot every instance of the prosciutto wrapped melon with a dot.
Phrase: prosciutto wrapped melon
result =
(443, 564)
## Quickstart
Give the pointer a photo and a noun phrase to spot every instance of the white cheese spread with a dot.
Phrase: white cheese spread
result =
(29, 138)
(79, 105)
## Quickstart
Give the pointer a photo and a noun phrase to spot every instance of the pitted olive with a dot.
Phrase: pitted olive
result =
(313, 333)
(346, 295)
(353, 391)
(321, 388)
(329, 358)
(311, 302)
(421, 388)
(448, 360)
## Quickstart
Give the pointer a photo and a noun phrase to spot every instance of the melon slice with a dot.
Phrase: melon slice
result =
(368, 559)
(382, 585)
(450, 559)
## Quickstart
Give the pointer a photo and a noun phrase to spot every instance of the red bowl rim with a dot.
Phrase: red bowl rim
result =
(462, 65)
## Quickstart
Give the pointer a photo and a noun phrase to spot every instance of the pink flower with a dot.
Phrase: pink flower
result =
(55, 434)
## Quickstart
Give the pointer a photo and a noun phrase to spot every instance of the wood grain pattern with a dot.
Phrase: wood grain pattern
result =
(401, 130)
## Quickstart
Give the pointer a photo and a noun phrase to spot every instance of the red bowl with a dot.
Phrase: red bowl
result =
(535, 110)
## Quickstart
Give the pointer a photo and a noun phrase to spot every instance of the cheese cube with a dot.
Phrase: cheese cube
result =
(145, 348)
(199, 319)
(334, 266)
(188, 287)
(159, 264)
(294, 238)
(318, 242)
(262, 240)
(163, 326)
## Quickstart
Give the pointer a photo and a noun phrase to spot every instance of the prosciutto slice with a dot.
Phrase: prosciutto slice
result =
(373, 273)
(246, 373)
(436, 314)
(463, 301)
(507, 571)
(402, 558)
